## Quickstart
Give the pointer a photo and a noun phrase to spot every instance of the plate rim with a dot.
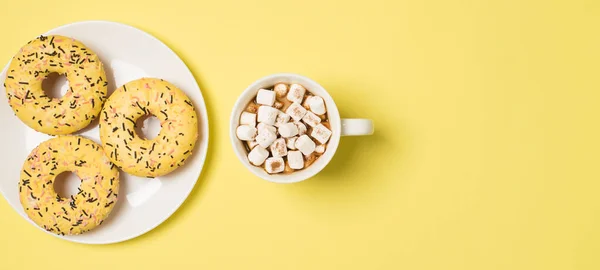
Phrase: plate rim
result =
(205, 127)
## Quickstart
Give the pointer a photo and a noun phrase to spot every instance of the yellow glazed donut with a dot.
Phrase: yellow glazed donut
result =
(173, 144)
(81, 212)
(83, 100)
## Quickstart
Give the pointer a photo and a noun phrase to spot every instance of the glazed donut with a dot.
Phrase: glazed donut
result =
(173, 144)
(34, 62)
(81, 212)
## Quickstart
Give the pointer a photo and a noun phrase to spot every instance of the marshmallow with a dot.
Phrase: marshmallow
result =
(265, 137)
(320, 149)
(311, 119)
(295, 160)
(296, 111)
(301, 128)
(245, 132)
(288, 130)
(265, 97)
(251, 144)
(252, 107)
(291, 142)
(280, 89)
(296, 93)
(278, 105)
(258, 155)
(279, 148)
(274, 165)
(267, 115)
(305, 145)
(262, 126)
(306, 101)
(317, 105)
(282, 118)
(321, 133)
(248, 119)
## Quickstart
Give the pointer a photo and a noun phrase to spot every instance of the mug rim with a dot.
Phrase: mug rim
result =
(313, 87)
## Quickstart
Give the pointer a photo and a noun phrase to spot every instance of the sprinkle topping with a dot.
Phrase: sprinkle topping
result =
(38, 59)
(80, 212)
(174, 143)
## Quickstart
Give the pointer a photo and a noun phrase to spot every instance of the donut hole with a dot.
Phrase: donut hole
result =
(147, 127)
(66, 184)
(55, 85)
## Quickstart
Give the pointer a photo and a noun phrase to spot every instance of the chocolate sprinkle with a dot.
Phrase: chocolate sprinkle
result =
(141, 108)
(131, 120)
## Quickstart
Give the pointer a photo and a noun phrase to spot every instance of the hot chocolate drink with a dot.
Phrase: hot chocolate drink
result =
(285, 128)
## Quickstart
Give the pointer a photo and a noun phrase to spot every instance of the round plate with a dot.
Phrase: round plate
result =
(128, 54)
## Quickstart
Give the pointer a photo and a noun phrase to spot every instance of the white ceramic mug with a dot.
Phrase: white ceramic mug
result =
(339, 127)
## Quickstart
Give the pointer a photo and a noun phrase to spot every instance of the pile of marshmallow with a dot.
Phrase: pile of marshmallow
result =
(278, 131)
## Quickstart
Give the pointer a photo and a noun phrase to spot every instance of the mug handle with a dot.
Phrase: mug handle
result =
(357, 127)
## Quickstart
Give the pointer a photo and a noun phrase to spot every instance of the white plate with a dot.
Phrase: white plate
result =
(127, 53)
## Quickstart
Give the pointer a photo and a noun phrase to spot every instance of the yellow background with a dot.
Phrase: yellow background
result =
(485, 154)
